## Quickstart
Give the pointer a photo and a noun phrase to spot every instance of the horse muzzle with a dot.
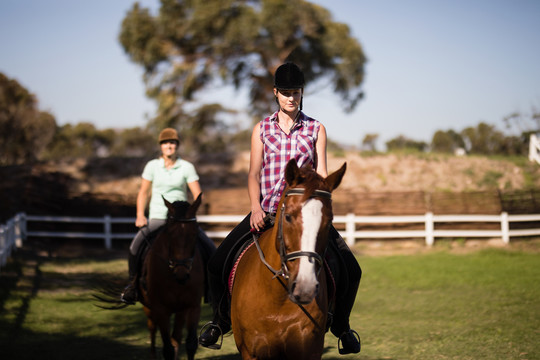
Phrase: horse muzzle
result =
(181, 269)
(303, 294)
(304, 287)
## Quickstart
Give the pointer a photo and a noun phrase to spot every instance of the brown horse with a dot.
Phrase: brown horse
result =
(282, 314)
(172, 281)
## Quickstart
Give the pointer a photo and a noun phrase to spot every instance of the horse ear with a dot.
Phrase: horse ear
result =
(195, 206)
(168, 204)
(291, 172)
(334, 179)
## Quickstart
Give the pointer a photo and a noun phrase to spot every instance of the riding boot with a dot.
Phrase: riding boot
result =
(129, 296)
(348, 338)
(219, 267)
(349, 282)
(350, 343)
(220, 325)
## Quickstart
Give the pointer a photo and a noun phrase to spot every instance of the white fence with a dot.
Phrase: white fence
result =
(11, 237)
(534, 149)
(15, 231)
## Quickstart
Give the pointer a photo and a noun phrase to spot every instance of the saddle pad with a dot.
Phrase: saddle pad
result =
(235, 266)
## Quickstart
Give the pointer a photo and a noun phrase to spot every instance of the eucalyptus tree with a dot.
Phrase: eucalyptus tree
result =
(189, 47)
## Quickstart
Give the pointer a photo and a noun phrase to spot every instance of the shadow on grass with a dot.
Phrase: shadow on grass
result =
(121, 334)
(30, 345)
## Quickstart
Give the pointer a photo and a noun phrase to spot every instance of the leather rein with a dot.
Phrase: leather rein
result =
(284, 256)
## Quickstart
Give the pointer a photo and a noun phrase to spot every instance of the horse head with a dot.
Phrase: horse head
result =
(304, 216)
(182, 232)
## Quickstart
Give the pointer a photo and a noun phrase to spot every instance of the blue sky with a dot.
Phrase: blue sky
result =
(433, 64)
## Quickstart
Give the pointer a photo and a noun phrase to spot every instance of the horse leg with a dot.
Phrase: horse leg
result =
(176, 337)
(152, 329)
(162, 321)
(192, 318)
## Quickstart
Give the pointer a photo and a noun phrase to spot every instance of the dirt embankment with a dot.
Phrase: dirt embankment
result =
(373, 185)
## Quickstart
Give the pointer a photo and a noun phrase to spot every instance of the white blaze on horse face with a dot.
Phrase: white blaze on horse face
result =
(306, 279)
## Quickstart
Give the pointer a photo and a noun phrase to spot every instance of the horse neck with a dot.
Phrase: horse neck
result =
(270, 242)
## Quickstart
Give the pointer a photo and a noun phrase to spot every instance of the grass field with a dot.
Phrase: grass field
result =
(436, 305)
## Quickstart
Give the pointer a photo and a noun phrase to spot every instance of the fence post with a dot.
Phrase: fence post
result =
(24, 228)
(108, 232)
(429, 229)
(350, 229)
(534, 147)
(3, 246)
(18, 231)
(505, 227)
(11, 234)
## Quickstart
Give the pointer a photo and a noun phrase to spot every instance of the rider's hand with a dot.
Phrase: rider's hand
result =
(257, 219)
(141, 221)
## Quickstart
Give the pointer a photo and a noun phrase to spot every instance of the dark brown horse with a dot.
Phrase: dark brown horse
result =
(172, 281)
(279, 301)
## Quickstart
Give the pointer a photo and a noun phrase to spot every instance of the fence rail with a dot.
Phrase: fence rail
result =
(15, 230)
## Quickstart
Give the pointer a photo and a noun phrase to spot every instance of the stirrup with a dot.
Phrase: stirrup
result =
(215, 346)
(340, 349)
(135, 296)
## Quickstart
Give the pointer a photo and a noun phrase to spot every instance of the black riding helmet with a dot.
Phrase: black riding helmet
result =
(289, 76)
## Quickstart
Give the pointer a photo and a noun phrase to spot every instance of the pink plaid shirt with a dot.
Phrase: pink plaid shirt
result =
(278, 149)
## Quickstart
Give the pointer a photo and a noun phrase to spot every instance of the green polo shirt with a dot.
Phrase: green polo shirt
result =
(169, 183)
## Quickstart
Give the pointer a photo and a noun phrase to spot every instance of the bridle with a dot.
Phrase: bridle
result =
(284, 256)
(186, 262)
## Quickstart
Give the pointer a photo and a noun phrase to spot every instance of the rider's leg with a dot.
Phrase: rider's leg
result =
(129, 296)
(207, 248)
(221, 323)
(207, 244)
(344, 304)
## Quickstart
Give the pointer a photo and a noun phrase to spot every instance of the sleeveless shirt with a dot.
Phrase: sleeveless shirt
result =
(279, 148)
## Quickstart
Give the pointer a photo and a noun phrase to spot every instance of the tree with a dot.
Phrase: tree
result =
(24, 130)
(134, 142)
(483, 139)
(194, 45)
(446, 141)
(402, 143)
(82, 140)
(370, 142)
(523, 122)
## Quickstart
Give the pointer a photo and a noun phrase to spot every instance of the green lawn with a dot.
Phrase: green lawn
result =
(438, 305)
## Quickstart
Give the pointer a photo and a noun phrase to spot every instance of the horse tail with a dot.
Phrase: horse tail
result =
(106, 293)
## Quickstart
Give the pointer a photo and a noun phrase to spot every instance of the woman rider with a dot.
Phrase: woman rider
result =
(285, 135)
(169, 176)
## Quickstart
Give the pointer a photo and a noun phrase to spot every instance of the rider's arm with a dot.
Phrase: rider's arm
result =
(320, 152)
(195, 189)
(254, 179)
(142, 201)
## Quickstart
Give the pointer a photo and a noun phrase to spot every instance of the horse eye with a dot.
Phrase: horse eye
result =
(288, 217)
